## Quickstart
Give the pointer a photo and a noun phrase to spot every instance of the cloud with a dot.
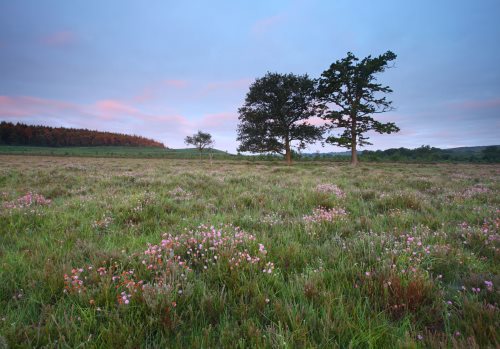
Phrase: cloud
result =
(110, 109)
(176, 83)
(477, 104)
(59, 39)
(105, 115)
(220, 122)
(265, 24)
(185, 90)
(24, 106)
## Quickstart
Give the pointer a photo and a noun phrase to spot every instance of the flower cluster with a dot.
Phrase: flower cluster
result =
(330, 189)
(272, 218)
(321, 214)
(180, 194)
(486, 236)
(28, 200)
(164, 266)
(198, 250)
(142, 203)
(73, 283)
(474, 191)
(102, 223)
(489, 285)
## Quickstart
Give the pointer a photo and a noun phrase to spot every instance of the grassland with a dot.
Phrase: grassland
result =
(113, 151)
(398, 256)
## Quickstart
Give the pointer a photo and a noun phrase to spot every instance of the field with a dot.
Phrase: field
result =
(128, 253)
(112, 151)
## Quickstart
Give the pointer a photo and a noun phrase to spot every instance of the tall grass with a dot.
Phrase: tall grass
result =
(375, 256)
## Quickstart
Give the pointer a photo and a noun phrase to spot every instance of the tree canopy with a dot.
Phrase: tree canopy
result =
(274, 117)
(350, 95)
(200, 141)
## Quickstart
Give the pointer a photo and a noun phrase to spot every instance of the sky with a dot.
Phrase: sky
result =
(166, 69)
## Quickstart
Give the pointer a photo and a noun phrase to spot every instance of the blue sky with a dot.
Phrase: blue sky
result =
(164, 69)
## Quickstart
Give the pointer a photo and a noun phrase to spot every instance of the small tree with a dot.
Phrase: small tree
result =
(348, 94)
(200, 141)
(274, 116)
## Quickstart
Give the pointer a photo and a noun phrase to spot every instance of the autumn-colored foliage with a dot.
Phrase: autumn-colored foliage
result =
(22, 134)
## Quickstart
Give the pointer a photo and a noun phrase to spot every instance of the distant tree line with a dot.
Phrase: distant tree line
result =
(21, 134)
(428, 153)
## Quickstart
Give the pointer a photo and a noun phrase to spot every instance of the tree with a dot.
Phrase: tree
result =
(349, 95)
(275, 114)
(200, 141)
(491, 153)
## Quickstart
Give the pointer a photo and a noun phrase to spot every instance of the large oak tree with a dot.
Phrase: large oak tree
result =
(275, 114)
(350, 96)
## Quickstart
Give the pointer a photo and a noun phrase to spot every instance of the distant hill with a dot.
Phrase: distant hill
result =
(114, 151)
(195, 151)
(464, 150)
(29, 135)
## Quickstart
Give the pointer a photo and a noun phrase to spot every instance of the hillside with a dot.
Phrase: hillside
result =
(30, 135)
(113, 151)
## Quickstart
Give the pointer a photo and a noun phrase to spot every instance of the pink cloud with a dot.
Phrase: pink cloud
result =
(109, 108)
(59, 39)
(477, 104)
(105, 115)
(176, 83)
(265, 24)
(23, 106)
(218, 122)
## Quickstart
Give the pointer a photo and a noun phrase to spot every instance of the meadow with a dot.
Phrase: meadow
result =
(113, 151)
(132, 253)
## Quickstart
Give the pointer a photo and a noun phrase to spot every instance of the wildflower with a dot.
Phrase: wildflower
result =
(322, 214)
(330, 189)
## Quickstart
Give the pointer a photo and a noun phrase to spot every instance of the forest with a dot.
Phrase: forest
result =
(22, 134)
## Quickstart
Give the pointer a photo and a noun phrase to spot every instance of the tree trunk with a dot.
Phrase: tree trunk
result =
(354, 152)
(354, 155)
(288, 153)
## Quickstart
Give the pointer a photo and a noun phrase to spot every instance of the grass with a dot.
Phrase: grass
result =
(112, 151)
(413, 262)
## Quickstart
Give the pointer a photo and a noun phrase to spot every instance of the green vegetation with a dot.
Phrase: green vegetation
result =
(111, 151)
(379, 255)
(274, 118)
(351, 97)
(489, 154)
